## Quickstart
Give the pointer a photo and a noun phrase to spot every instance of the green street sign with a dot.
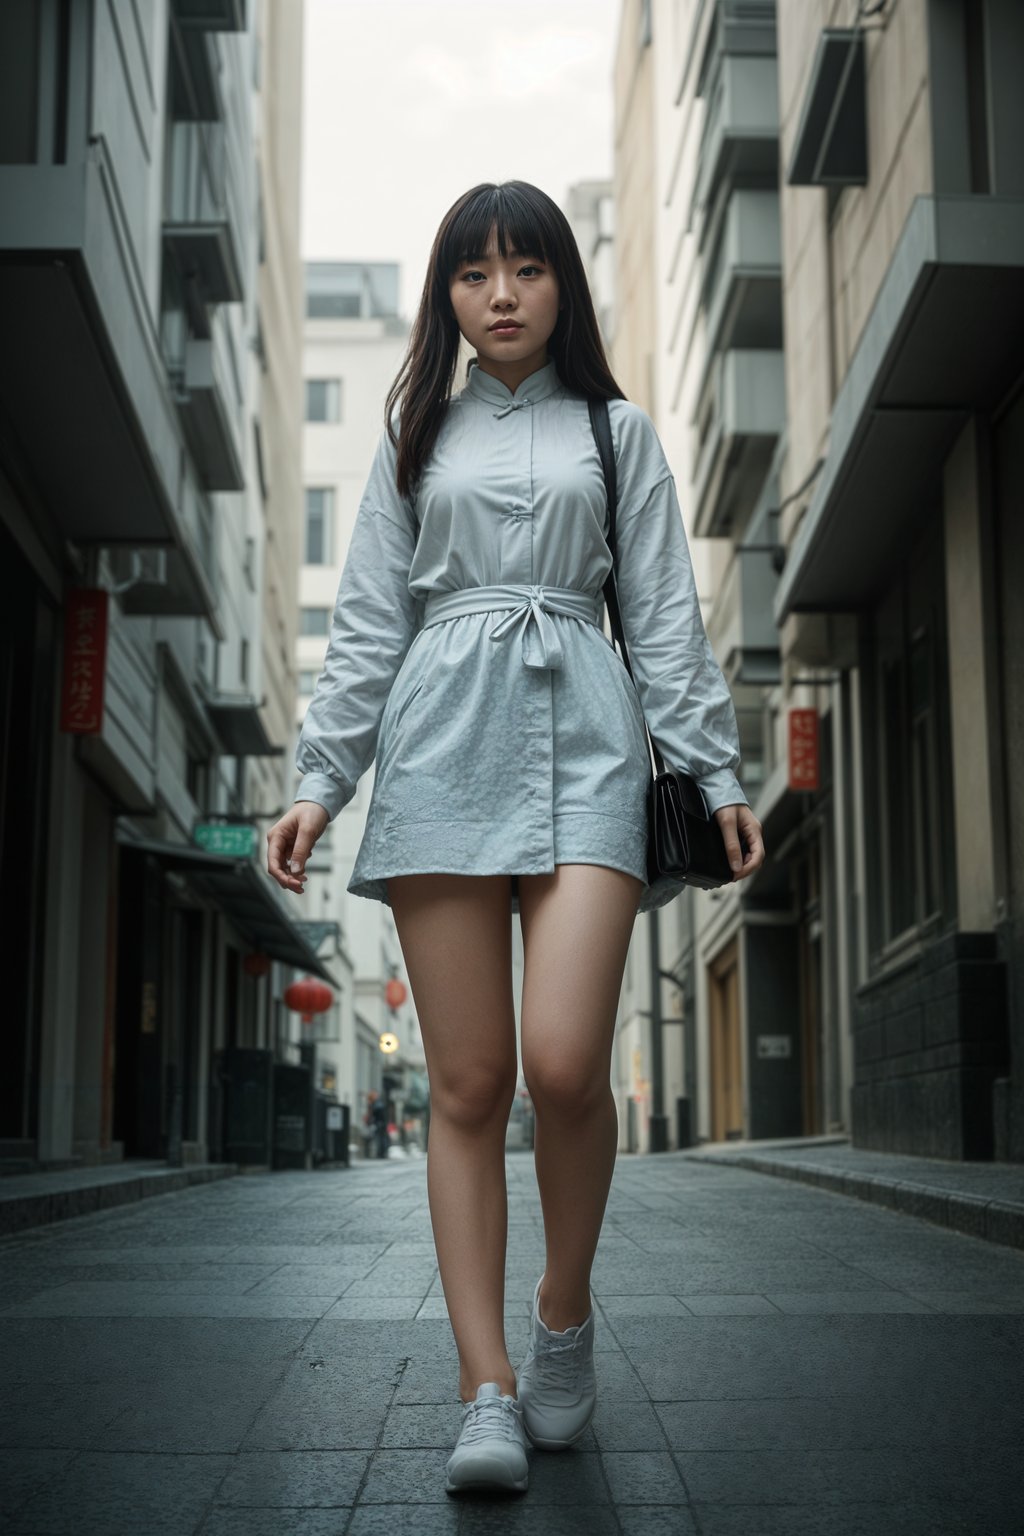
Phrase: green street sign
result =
(235, 839)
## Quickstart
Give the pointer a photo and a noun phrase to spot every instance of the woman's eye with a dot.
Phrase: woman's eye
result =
(529, 269)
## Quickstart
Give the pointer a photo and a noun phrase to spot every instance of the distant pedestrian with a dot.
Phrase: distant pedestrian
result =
(467, 653)
(379, 1124)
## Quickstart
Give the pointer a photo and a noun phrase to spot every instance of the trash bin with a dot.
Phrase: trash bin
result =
(246, 1080)
(293, 1116)
(332, 1130)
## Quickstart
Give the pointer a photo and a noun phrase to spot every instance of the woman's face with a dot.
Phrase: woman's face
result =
(506, 306)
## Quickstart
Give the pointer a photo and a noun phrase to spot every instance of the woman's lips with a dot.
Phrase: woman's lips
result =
(512, 329)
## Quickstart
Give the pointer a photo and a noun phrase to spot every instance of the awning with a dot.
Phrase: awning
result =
(246, 894)
(239, 725)
(945, 337)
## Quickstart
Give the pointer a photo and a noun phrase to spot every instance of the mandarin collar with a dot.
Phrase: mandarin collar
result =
(534, 387)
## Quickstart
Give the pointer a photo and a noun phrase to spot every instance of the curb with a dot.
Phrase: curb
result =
(20, 1212)
(997, 1221)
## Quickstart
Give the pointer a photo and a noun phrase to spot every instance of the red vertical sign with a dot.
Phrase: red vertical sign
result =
(803, 749)
(85, 661)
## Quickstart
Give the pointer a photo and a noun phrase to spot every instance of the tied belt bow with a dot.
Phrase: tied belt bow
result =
(530, 610)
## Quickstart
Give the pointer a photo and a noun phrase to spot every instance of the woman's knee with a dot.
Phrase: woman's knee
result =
(474, 1096)
(565, 1084)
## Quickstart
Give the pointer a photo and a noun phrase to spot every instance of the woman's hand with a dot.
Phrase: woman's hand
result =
(290, 842)
(736, 821)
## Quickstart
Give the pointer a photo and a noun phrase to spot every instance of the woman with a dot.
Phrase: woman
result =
(467, 652)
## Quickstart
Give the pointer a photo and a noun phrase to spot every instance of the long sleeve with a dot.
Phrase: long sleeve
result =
(686, 700)
(374, 621)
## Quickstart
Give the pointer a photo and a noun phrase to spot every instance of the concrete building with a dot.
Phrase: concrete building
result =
(149, 484)
(903, 291)
(590, 209)
(353, 344)
(839, 236)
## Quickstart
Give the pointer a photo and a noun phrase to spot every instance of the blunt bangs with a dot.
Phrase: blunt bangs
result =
(520, 226)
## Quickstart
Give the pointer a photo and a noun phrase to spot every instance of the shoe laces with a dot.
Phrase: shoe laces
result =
(488, 1416)
(555, 1362)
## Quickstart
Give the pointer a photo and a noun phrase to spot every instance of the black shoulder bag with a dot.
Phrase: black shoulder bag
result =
(684, 841)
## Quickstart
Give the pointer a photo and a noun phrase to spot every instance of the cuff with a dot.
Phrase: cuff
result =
(325, 791)
(722, 788)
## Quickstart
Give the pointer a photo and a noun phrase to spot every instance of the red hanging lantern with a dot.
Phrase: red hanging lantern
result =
(256, 964)
(394, 993)
(308, 997)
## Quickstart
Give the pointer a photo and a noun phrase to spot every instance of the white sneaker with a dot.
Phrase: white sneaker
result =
(490, 1452)
(557, 1382)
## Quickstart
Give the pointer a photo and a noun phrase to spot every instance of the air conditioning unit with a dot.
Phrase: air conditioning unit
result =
(138, 567)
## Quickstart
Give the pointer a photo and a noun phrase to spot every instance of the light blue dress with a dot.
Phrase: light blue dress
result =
(467, 655)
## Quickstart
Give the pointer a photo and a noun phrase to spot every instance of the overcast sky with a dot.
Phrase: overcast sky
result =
(408, 103)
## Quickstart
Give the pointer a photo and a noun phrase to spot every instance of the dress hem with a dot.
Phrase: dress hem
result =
(374, 888)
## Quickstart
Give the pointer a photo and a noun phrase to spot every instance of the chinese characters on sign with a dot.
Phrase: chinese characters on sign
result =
(238, 839)
(85, 661)
(803, 749)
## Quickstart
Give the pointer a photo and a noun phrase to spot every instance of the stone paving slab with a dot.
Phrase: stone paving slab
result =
(36, 1199)
(272, 1354)
(984, 1199)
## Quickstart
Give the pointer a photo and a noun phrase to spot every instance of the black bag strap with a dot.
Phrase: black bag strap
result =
(602, 428)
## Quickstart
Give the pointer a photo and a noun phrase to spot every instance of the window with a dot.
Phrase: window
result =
(307, 682)
(315, 621)
(319, 525)
(341, 290)
(323, 399)
(912, 771)
(19, 77)
(196, 777)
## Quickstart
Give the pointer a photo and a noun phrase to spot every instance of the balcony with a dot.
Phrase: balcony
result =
(943, 339)
(209, 405)
(201, 219)
(210, 15)
(744, 410)
(81, 366)
(742, 283)
(237, 720)
(740, 142)
(741, 628)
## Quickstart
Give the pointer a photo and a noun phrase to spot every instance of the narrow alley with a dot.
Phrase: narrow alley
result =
(270, 1355)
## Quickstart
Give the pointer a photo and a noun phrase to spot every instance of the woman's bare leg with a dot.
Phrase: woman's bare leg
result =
(456, 937)
(576, 927)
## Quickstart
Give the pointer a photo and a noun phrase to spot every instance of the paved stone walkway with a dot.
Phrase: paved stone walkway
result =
(981, 1198)
(269, 1355)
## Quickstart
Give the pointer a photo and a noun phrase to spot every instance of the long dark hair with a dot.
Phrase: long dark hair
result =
(526, 220)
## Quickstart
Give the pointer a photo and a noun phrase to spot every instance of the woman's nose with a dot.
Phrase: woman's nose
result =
(502, 293)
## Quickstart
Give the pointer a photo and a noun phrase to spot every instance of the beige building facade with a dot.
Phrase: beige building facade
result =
(839, 342)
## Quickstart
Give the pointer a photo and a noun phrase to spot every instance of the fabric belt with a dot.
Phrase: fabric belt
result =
(530, 607)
